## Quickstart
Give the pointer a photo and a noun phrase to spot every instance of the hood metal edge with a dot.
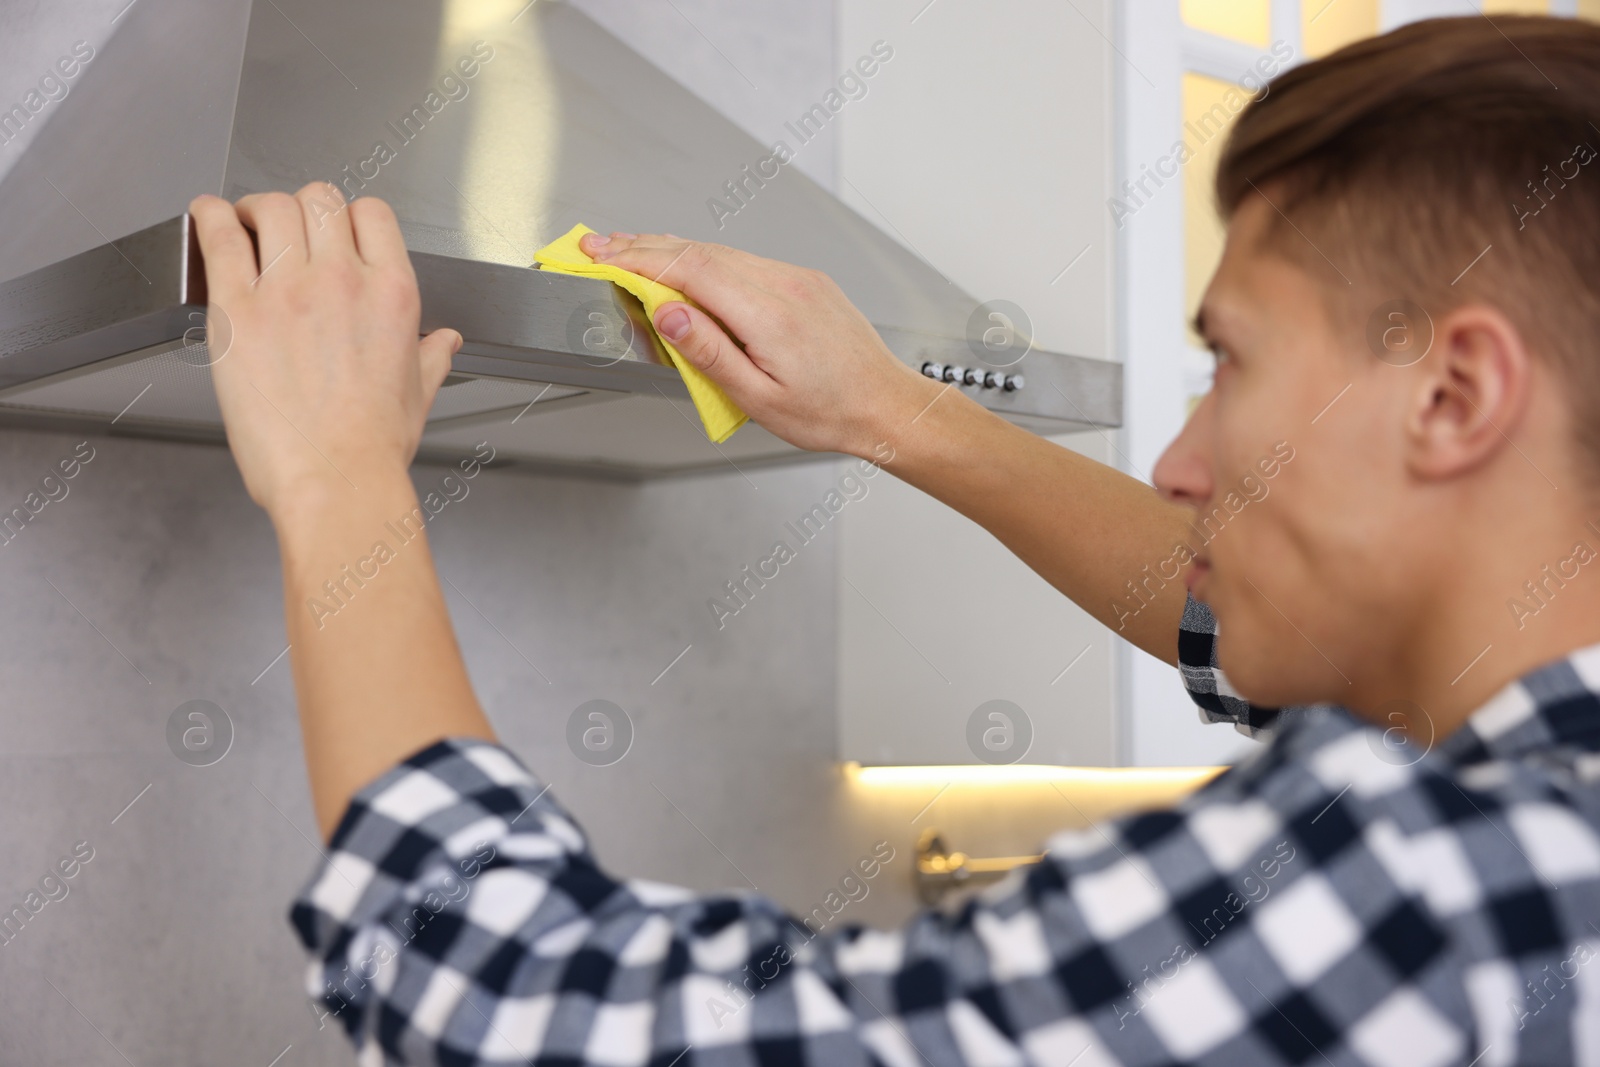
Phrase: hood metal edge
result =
(518, 323)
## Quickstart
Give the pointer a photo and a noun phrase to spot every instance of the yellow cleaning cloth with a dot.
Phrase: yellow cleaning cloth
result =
(719, 414)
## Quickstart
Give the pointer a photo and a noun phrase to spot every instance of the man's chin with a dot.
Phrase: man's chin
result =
(1244, 653)
(1263, 672)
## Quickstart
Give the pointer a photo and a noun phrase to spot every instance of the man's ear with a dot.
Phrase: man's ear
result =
(1472, 394)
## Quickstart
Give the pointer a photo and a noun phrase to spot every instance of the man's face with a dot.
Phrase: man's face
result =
(1306, 527)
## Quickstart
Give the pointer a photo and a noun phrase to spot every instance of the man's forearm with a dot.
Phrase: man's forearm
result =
(1087, 529)
(810, 368)
(376, 667)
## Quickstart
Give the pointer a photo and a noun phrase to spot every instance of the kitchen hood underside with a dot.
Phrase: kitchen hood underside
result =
(560, 124)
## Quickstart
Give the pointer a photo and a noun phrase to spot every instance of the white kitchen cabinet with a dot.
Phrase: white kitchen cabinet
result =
(939, 623)
(984, 145)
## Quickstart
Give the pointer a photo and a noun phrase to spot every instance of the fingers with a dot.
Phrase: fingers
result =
(702, 342)
(744, 292)
(436, 351)
(691, 267)
(377, 234)
(280, 230)
(230, 261)
(596, 243)
(327, 220)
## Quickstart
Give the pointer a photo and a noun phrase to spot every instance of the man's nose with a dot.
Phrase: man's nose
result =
(1183, 473)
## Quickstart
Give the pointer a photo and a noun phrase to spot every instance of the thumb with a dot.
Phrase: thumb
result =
(703, 343)
(435, 353)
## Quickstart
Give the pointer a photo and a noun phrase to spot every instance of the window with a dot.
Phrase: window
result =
(1214, 65)
(1206, 122)
(1245, 21)
(1328, 25)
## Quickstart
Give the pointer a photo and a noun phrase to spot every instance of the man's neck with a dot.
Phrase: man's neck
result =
(1532, 599)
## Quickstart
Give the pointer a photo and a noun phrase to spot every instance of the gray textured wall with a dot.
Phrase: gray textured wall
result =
(154, 582)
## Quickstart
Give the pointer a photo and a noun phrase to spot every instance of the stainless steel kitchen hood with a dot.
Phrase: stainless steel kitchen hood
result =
(491, 127)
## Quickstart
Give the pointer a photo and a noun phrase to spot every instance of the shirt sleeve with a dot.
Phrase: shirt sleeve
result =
(1207, 685)
(462, 919)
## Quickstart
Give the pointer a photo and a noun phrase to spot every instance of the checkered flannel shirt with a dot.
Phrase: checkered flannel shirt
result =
(1336, 898)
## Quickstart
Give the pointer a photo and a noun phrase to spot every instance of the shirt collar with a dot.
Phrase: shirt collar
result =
(1556, 705)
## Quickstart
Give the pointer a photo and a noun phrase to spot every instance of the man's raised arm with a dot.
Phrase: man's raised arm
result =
(805, 364)
(324, 389)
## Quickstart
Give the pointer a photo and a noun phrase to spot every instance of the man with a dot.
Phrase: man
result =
(1408, 874)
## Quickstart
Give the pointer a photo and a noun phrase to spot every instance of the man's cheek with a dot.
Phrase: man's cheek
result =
(1238, 553)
